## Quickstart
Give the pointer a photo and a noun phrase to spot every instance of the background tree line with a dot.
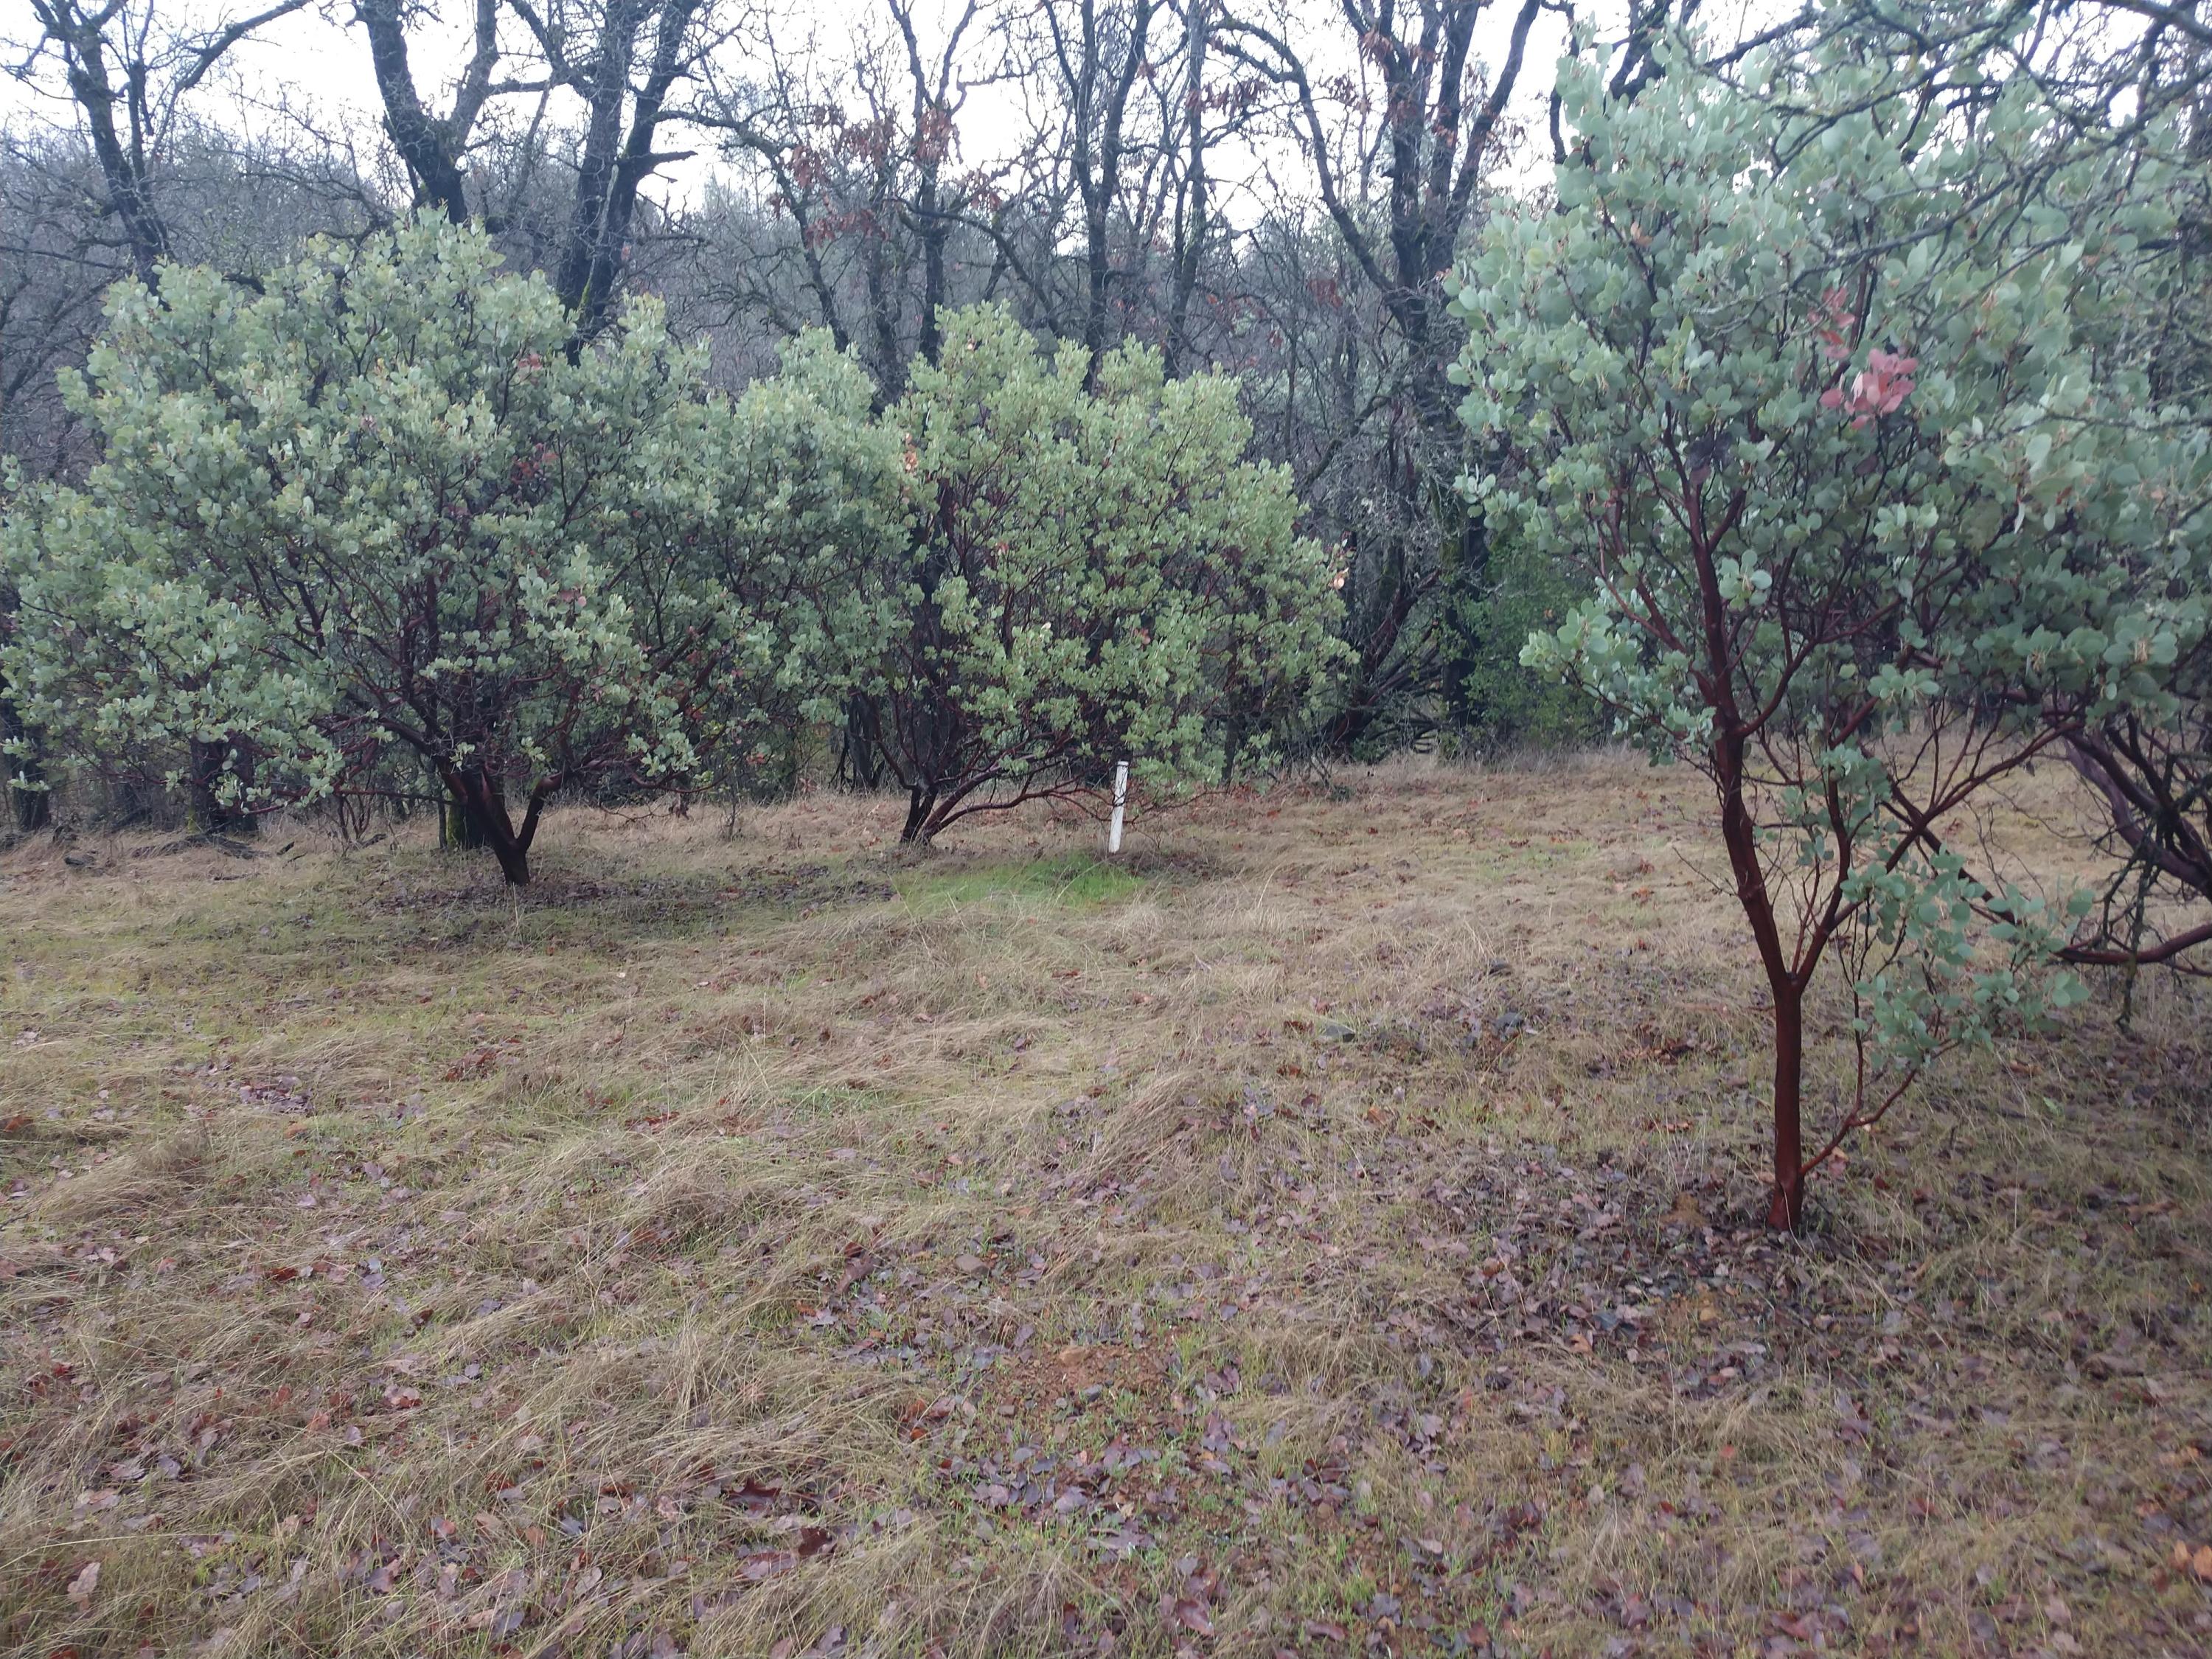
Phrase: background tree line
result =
(1251, 190)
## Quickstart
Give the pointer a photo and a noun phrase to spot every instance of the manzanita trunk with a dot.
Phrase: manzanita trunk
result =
(1786, 1212)
(207, 812)
(482, 801)
(921, 806)
(860, 757)
(30, 804)
(457, 826)
(1785, 979)
(29, 810)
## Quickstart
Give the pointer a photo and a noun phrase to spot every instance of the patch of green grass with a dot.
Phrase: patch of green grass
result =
(1071, 880)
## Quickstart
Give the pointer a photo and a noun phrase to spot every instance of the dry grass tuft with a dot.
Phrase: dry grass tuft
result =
(1328, 1229)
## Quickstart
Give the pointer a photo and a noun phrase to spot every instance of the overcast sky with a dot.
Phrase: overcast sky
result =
(316, 62)
(314, 65)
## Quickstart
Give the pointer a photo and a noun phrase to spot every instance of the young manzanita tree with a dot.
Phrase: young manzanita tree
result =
(386, 508)
(1806, 376)
(1091, 575)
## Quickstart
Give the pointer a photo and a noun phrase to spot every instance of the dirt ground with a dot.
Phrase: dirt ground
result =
(1329, 1229)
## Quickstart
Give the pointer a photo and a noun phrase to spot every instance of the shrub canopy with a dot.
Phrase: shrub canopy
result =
(1091, 575)
(1822, 382)
(388, 506)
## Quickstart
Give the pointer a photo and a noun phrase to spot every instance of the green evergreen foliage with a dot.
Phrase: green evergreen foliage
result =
(1825, 389)
(388, 506)
(1510, 705)
(1093, 574)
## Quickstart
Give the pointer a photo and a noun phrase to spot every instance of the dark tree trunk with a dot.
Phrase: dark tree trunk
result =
(921, 807)
(207, 812)
(484, 802)
(1191, 222)
(204, 765)
(933, 142)
(419, 138)
(31, 810)
(122, 161)
(1432, 144)
(30, 805)
(1098, 104)
(117, 89)
(1378, 632)
(602, 92)
(931, 344)
(860, 764)
(1785, 981)
(884, 313)
(1465, 568)
(1786, 1212)
(513, 864)
(457, 826)
(614, 164)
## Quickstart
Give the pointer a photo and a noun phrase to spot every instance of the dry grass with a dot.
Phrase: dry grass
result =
(1327, 1231)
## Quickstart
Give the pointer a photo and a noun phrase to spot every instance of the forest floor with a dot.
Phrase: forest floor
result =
(1329, 1229)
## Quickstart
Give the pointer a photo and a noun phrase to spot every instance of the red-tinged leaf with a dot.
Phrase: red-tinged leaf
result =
(812, 1541)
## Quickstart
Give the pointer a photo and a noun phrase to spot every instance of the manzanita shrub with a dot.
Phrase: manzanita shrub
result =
(1811, 376)
(799, 524)
(1091, 575)
(389, 506)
